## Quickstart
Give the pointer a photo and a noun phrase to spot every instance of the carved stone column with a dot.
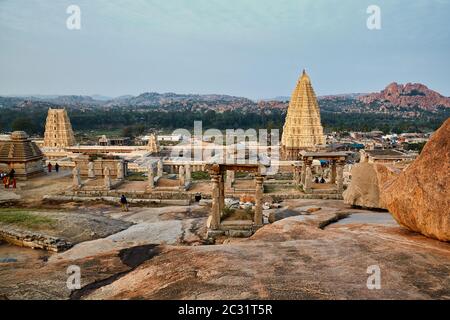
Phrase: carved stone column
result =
(107, 178)
(303, 174)
(230, 179)
(340, 178)
(76, 182)
(151, 179)
(188, 173)
(258, 219)
(91, 172)
(160, 169)
(181, 176)
(120, 173)
(308, 180)
(221, 194)
(214, 220)
(297, 174)
(333, 172)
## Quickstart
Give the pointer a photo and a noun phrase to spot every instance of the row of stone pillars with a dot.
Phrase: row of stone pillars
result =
(184, 174)
(218, 200)
(303, 175)
(107, 182)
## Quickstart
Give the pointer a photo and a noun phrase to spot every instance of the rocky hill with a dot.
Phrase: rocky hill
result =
(407, 96)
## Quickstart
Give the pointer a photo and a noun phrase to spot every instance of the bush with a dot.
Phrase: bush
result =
(200, 175)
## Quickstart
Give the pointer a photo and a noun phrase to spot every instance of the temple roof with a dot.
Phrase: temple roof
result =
(19, 148)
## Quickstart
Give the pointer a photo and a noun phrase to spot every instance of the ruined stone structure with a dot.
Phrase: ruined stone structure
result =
(303, 173)
(217, 172)
(22, 155)
(153, 144)
(302, 129)
(58, 130)
(94, 167)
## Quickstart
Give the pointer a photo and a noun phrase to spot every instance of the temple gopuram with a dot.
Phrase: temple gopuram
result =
(58, 130)
(302, 129)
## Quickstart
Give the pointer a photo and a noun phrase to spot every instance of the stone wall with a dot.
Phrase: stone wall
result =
(33, 240)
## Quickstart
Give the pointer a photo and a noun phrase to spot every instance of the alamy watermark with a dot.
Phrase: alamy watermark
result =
(74, 280)
(374, 280)
(231, 146)
(374, 20)
(73, 22)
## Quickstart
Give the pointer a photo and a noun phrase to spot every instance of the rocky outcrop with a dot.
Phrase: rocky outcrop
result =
(419, 198)
(409, 95)
(365, 187)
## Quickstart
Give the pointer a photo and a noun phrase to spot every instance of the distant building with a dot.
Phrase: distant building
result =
(173, 138)
(22, 155)
(384, 156)
(58, 130)
(104, 141)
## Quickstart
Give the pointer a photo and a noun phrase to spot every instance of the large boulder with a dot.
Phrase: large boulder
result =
(367, 180)
(419, 198)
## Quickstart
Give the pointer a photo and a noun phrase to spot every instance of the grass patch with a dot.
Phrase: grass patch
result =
(200, 175)
(25, 219)
(136, 176)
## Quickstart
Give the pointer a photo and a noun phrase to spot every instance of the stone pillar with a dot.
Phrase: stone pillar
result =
(181, 176)
(333, 172)
(107, 178)
(214, 219)
(76, 182)
(188, 173)
(258, 219)
(302, 174)
(91, 172)
(340, 178)
(151, 179)
(221, 194)
(120, 173)
(230, 179)
(298, 174)
(308, 180)
(160, 169)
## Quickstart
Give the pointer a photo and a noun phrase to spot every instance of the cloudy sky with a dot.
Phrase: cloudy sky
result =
(252, 48)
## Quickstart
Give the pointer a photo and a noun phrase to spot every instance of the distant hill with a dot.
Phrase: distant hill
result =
(158, 99)
(148, 99)
(407, 96)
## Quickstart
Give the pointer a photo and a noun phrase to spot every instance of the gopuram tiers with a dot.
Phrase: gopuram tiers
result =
(58, 130)
(302, 129)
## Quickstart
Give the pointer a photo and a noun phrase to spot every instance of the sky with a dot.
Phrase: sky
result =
(251, 48)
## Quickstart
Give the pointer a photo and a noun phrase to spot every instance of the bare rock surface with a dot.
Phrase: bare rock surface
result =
(300, 257)
(73, 226)
(419, 198)
(294, 259)
(366, 185)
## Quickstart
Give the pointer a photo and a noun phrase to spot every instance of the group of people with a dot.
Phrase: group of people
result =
(317, 180)
(9, 179)
(50, 166)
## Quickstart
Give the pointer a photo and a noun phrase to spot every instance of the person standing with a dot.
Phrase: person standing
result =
(57, 167)
(5, 180)
(49, 166)
(124, 203)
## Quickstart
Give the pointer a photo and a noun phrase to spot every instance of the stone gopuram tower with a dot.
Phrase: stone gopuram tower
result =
(58, 130)
(302, 129)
